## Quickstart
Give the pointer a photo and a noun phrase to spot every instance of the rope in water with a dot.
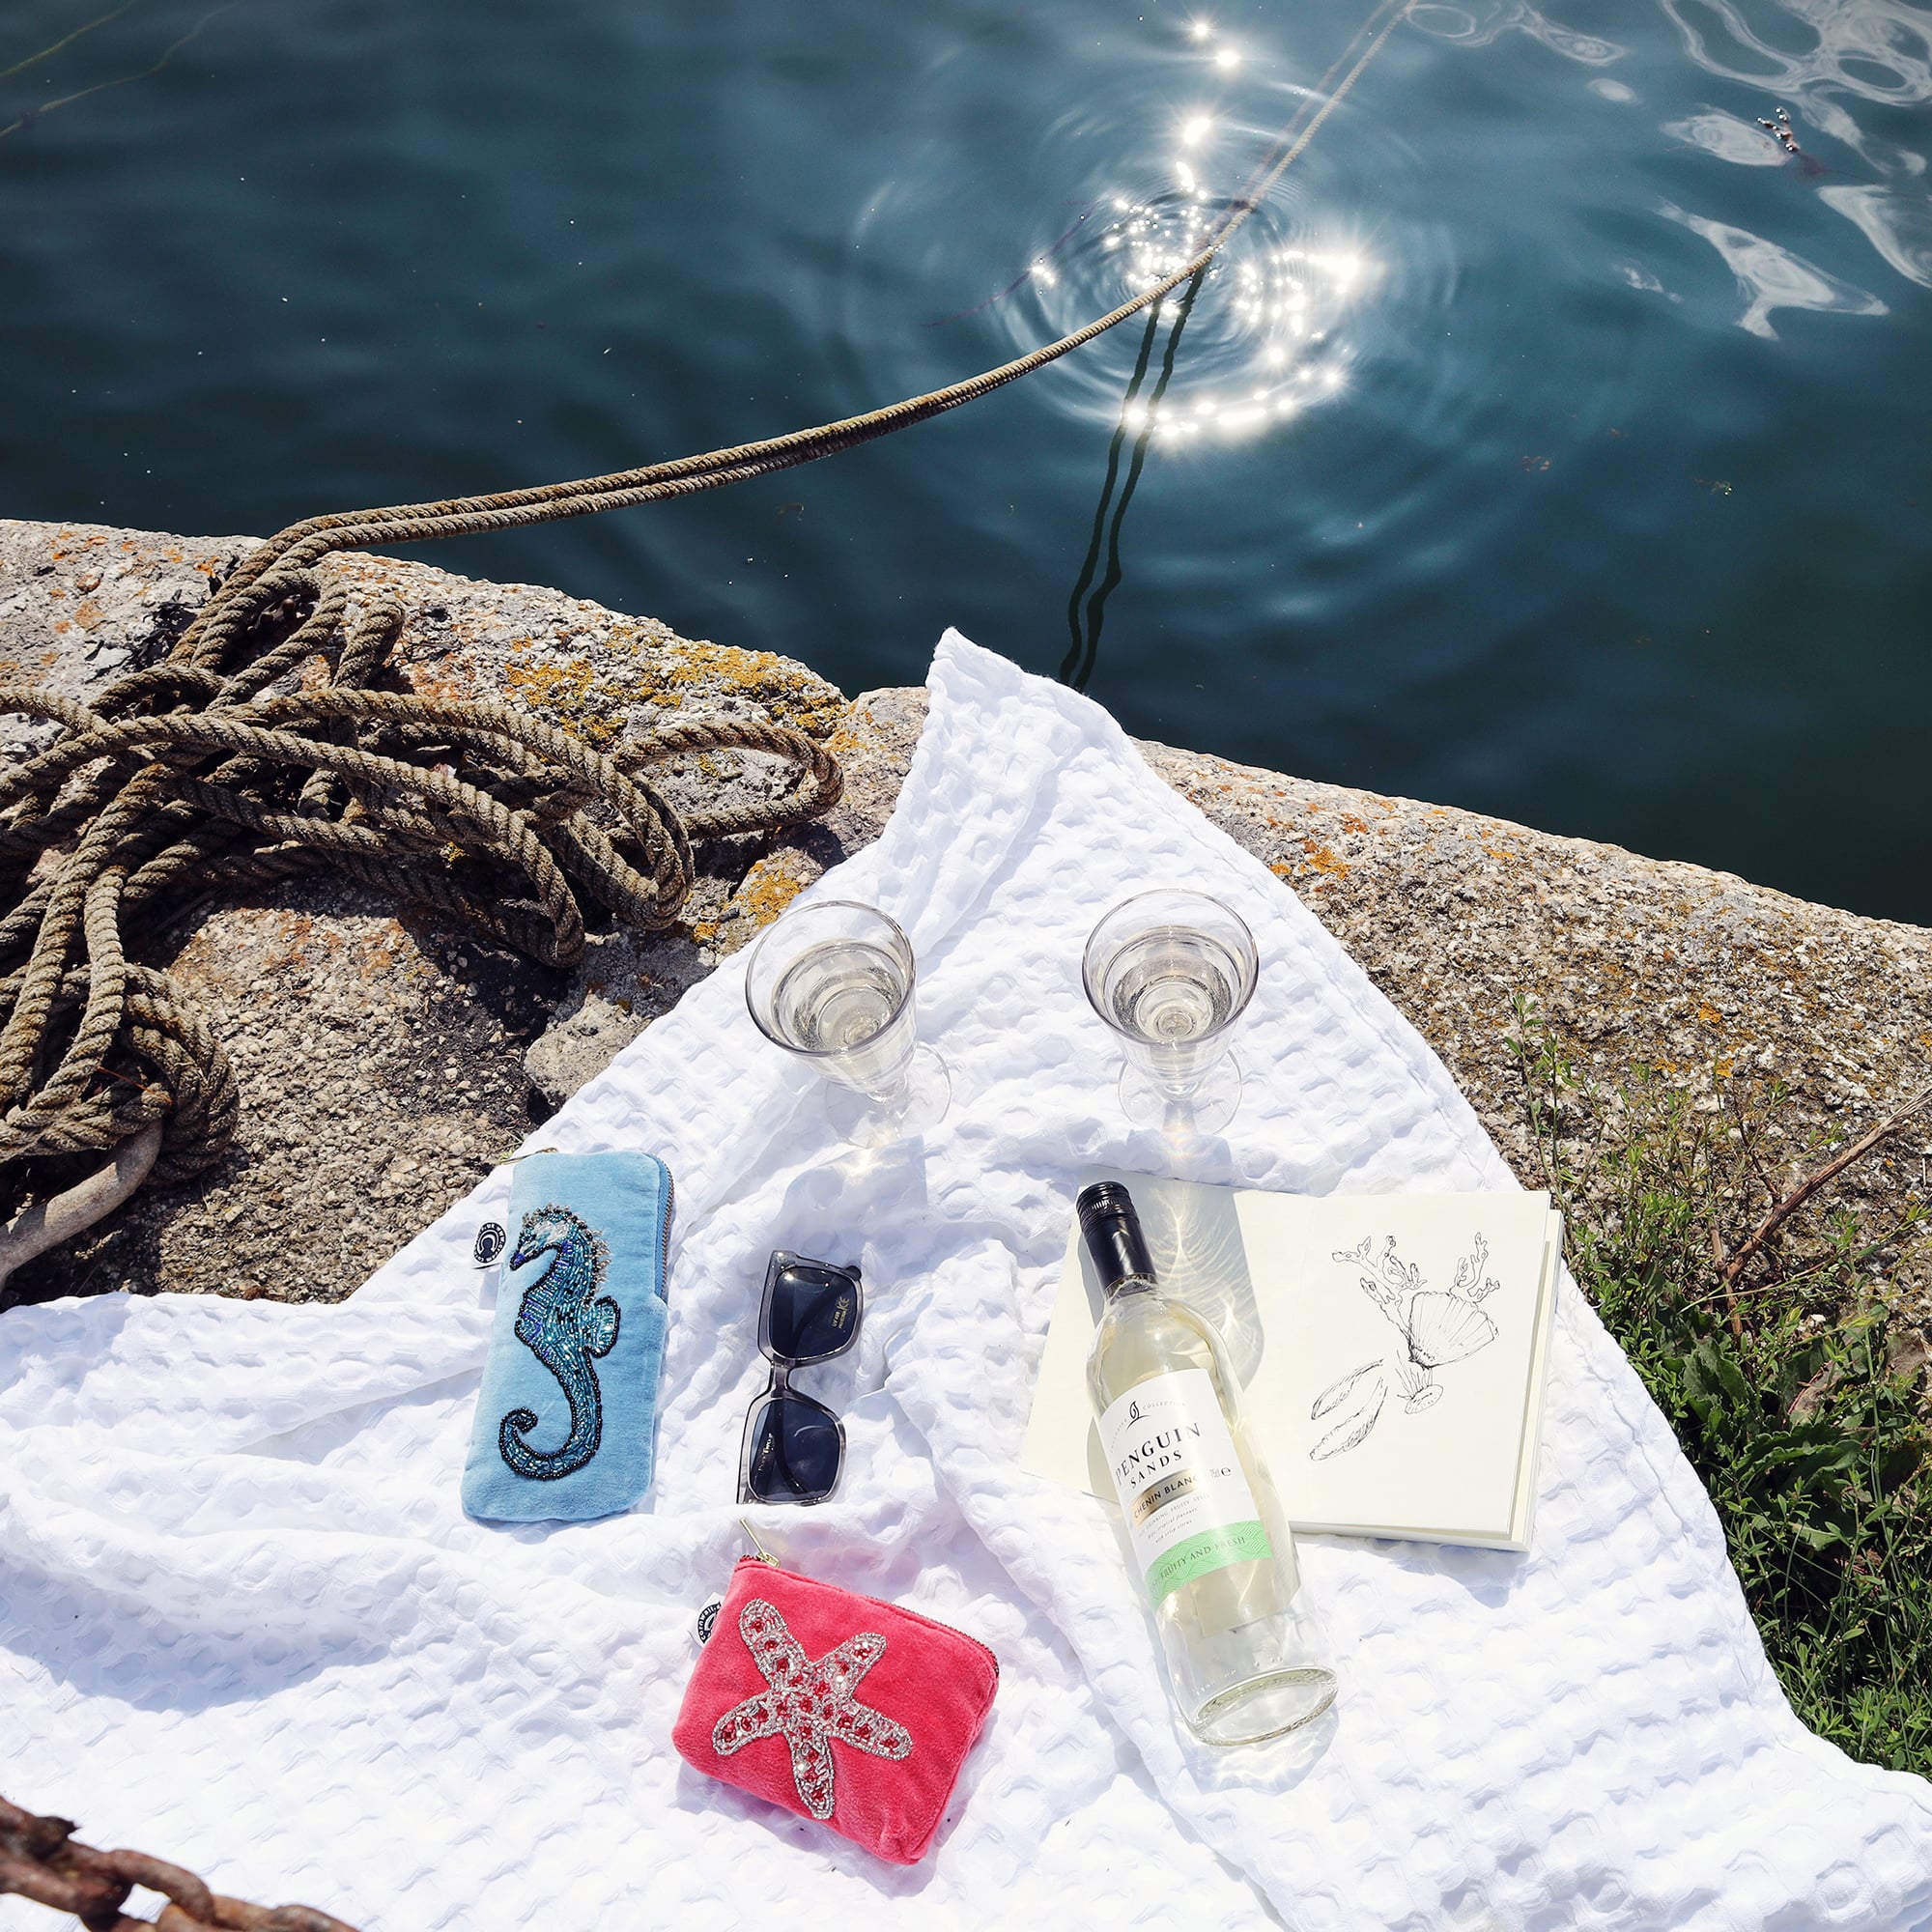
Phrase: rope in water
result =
(181, 779)
(261, 579)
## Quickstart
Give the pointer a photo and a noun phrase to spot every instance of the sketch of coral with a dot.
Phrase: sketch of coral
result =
(1436, 1327)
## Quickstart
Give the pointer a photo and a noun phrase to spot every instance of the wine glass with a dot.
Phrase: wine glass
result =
(833, 982)
(1171, 972)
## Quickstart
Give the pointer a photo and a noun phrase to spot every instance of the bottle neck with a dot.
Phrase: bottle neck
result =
(1115, 1242)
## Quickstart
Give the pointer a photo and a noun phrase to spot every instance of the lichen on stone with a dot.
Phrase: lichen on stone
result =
(594, 698)
(786, 691)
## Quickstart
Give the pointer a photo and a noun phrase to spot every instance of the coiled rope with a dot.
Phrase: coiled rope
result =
(183, 778)
(178, 781)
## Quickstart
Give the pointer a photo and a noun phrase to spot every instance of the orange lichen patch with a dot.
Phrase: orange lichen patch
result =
(594, 702)
(1723, 1068)
(249, 944)
(376, 950)
(1709, 1015)
(1324, 860)
(570, 695)
(791, 694)
(767, 888)
(1350, 823)
(766, 892)
(845, 742)
(89, 614)
(453, 681)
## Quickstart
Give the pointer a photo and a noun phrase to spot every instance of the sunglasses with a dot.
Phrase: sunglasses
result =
(794, 1446)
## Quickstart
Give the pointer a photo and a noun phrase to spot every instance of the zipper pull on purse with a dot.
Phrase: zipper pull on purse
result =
(706, 1620)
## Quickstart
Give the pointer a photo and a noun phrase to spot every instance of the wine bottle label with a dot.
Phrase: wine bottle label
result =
(1187, 1500)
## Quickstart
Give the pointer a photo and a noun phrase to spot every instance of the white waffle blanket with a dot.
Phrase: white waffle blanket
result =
(245, 1625)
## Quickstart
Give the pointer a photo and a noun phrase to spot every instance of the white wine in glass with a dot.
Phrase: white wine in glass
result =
(1171, 972)
(833, 982)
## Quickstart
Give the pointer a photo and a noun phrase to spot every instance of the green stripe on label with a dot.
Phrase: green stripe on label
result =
(1212, 1549)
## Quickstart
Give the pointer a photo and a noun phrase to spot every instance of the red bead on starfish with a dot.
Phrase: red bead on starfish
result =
(811, 1702)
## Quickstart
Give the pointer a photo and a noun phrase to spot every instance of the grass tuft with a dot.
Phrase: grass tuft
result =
(1795, 1404)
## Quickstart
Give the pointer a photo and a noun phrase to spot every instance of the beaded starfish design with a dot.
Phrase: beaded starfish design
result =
(811, 1702)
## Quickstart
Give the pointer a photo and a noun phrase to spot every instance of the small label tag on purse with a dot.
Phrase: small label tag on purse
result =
(706, 1620)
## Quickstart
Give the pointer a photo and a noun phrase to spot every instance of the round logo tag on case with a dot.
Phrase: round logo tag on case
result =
(707, 1618)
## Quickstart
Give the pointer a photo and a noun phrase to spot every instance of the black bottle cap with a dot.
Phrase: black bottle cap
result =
(1112, 1228)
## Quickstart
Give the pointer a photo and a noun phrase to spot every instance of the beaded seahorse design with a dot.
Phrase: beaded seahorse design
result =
(563, 1323)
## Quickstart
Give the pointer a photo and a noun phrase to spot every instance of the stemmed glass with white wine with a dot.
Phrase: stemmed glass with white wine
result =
(1171, 972)
(833, 982)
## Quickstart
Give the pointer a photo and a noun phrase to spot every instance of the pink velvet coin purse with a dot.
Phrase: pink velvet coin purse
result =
(838, 1707)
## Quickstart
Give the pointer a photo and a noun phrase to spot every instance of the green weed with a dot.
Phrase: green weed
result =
(1785, 1390)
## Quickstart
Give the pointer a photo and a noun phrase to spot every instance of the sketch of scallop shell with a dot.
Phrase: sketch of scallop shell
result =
(1444, 1328)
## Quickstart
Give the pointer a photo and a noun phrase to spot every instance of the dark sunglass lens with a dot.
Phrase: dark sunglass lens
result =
(794, 1454)
(815, 1313)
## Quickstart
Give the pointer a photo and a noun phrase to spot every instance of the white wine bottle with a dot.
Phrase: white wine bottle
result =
(1206, 1525)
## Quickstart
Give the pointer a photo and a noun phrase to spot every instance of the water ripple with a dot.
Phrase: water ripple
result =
(1728, 138)
(1480, 26)
(1899, 226)
(1134, 181)
(1770, 277)
(1880, 49)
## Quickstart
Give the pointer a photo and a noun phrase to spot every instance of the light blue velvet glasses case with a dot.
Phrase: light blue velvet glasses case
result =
(567, 1415)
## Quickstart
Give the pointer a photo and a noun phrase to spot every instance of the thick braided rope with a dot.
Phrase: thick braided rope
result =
(178, 781)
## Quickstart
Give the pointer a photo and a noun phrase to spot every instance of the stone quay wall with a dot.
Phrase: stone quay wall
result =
(386, 1063)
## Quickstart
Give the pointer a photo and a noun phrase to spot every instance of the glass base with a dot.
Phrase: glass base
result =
(869, 1123)
(1210, 1106)
(1267, 1706)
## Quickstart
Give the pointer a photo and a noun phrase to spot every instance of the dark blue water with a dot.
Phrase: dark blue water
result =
(1553, 442)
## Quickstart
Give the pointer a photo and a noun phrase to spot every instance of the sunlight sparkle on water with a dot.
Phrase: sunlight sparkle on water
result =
(1269, 295)
(1273, 312)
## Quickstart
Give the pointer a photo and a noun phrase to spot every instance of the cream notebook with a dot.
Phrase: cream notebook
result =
(1391, 1350)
